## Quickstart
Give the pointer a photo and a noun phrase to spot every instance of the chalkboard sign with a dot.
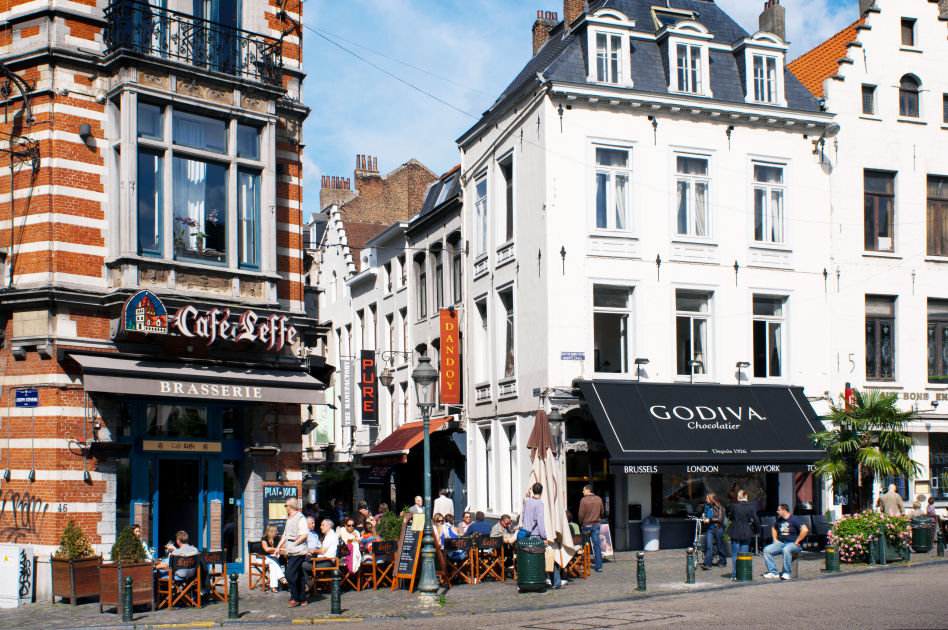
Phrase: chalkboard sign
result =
(274, 505)
(406, 560)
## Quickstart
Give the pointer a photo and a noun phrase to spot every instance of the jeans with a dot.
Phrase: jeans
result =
(557, 580)
(294, 578)
(738, 546)
(596, 545)
(775, 548)
(715, 532)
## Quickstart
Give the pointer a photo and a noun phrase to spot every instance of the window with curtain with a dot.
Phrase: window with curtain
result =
(608, 58)
(693, 185)
(200, 210)
(506, 302)
(908, 97)
(768, 336)
(506, 173)
(481, 339)
(612, 189)
(480, 209)
(248, 142)
(689, 68)
(879, 202)
(150, 122)
(880, 338)
(199, 132)
(938, 341)
(149, 202)
(248, 218)
(937, 216)
(692, 316)
(765, 79)
(768, 203)
(421, 274)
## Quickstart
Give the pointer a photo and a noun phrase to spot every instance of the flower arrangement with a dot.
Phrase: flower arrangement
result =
(853, 535)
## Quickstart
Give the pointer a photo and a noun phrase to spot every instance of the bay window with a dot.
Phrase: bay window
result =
(692, 184)
(200, 210)
(612, 189)
(248, 218)
(149, 202)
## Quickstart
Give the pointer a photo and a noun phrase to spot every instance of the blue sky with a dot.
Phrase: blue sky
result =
(462, 52)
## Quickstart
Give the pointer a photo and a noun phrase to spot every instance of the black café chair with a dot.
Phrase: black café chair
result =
(257, 567)
(172, 589)
(215, 564)
(820, 530)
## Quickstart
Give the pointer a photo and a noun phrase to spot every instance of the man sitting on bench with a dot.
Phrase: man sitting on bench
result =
(788, 532)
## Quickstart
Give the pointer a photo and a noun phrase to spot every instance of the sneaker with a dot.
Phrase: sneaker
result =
(548, 582)
(770, 575)
(598, 570)
(784, 576)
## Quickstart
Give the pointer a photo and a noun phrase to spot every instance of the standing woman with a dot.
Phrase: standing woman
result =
(744, 525)
(714, 519)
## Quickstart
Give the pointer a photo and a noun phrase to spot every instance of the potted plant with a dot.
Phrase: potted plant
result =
(128, 560)
(75, 567)
(389, 526)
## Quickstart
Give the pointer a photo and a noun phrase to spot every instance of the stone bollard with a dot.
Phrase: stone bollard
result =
(690, 566)
(832, 560)
(640, 572)
(233, 600)
(127, 600)
(335, 603)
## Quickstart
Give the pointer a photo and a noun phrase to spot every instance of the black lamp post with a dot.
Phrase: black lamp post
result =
(425, 378)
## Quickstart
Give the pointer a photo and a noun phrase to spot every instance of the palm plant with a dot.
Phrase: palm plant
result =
(867, 440)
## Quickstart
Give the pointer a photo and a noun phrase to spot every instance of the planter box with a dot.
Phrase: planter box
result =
(73, 579)
(112, 583)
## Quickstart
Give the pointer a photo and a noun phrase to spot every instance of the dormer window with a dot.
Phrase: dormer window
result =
(765, 79)
(689, 68)
(608, 46)
(666, 16)
(608, 58)
(687, 50)
(763, 57)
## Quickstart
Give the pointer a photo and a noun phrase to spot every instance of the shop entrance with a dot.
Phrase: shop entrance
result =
(180, 503)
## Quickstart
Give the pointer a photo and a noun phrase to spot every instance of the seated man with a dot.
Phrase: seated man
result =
(182, 548)
(788, 532)
(503, 529)
(479, 526)
(312, 546)
(326, 554)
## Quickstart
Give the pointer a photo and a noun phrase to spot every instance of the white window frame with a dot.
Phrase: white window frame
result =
(767, 216)
(628, 312)
(482, 341)
(503, 212)
(765, 45)
(612, 172)
(708, 295)
(692, 34)
(780, 320)
(481, 217)
(690, 221)
(765, 78)
(509, 320)
(610, 23)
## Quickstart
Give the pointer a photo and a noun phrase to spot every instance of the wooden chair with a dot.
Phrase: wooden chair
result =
(379, 564)
(215, 563)
(322, 574)
(463, 568)
(441, 564)
(350, 579)
(579, 565)
(172, 590)
(490, 558)
(257, 566)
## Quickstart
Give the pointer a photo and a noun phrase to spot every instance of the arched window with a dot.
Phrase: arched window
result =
(908, 96)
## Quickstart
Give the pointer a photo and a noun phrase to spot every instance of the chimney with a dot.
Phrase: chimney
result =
(334, 190)
(368, 181)
(542, 27)
(774, 19)
(572, 9)
(943, 5)
(865, 5)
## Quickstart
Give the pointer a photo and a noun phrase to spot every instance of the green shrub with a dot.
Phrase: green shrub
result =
(73, 544)
(854, 534)
(128, 549)
(389, 526)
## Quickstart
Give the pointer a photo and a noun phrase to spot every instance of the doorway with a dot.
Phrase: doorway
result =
(180, 500)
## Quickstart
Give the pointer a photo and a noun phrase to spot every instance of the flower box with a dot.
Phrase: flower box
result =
(112, 583)
(73, 579)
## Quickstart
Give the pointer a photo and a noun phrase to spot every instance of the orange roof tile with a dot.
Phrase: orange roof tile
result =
(819, 64)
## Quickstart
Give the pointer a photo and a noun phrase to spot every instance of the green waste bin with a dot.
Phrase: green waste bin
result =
(922, 527)
(531, 565)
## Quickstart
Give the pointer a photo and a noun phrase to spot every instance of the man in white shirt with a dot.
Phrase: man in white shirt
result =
(443, 505)
(327, 552)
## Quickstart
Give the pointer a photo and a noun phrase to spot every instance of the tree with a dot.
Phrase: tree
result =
(867, 440)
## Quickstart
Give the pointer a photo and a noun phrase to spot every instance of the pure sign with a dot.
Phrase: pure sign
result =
(450, 375)
(370, 393)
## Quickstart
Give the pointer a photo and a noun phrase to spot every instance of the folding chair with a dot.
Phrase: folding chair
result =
(490, 558)
(257, 568)
(462, 567)
(352, 580)
(379, 564)
(172, 589)
(215, 564)
(441, 564)
(578, 565)
(322, 573)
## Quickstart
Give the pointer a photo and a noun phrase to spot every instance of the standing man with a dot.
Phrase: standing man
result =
(534, 522)
(419, 507)
(788, 532)
(591, 511)
(294, 538)
(891, 502)
(443, 505)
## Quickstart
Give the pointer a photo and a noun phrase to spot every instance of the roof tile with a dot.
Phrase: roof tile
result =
(819, 64)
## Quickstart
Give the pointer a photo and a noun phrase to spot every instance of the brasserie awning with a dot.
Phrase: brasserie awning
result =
(393, 449)
(703, 428)
(130, 376)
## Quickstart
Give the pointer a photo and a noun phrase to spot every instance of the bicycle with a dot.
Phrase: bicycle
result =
(699, 543)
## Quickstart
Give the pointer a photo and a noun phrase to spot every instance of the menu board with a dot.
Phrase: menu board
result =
(274, 504)
(406, 559)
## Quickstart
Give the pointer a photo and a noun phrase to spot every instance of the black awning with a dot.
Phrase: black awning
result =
(756, 428)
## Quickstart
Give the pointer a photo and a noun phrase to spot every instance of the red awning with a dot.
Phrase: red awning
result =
(393, 450)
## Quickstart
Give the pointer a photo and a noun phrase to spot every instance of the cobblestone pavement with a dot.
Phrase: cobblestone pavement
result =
(617, 582)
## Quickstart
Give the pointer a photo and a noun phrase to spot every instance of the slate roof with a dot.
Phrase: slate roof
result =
(434, 200)
(563, 58)
(817, 65)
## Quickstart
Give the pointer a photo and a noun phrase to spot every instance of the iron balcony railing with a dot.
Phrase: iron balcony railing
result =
(156, 32)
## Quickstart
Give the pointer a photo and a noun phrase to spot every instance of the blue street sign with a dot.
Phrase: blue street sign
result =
(26, 398)
(572, 356)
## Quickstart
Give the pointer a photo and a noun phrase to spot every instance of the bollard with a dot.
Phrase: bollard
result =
(941, 545)
(335, 603)
(233, 599)
(832, 560)
(873, 553)
(690, 566)
(127, 600)
(744, 569)
(640, 572)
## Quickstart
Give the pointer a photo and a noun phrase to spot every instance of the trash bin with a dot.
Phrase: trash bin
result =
(531, 565)
(922, 527)
(650, 533)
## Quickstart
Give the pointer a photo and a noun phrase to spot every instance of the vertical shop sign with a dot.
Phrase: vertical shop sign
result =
(347, 390)
(450, 357)
(370, 393)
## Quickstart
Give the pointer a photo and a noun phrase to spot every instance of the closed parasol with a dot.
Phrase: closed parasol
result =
(546, 471)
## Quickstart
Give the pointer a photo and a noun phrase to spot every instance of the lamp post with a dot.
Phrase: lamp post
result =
(425, 378)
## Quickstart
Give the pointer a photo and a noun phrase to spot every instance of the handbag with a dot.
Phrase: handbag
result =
(522, 534)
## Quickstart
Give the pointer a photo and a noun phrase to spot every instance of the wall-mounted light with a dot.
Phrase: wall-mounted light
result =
(695, 363)
(85, 132)
(638, 368)
(31, 476)
(740, 365)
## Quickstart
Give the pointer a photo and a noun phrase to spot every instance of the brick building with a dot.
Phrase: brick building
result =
(150, 241)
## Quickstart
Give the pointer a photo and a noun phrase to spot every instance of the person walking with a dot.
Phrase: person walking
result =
(745, 524)
(295, 533)
(891, 502)
(714, 519)
(591, 511)
(443, 504)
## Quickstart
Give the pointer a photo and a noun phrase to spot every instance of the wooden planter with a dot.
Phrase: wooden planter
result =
(73, 579)
(112, 583)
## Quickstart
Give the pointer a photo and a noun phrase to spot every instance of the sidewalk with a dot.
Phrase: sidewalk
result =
(665, 574)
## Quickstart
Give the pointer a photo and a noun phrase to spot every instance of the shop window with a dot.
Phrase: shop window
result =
(149, 202)
(901, 485)
(879, 203)
(692, 184)
(880, 338)
(769, 220)
(612, 189)
(232, 423)
(176, 421)
(768, 336)
(489, 470)
(692, 322)
(938, 463)
(938, 341)
(123, 494)
(200, 210)
(937, 216)
(683, 495)
(611, 314)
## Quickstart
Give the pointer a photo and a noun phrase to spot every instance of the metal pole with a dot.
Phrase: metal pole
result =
(690, 566)
(127, 601)
(233, 601)
(428, 581)
(640, 572)
(335, 601)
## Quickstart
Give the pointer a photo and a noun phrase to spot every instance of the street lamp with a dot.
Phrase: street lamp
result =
(558, 426)
(386, 377)
(425, 378)
(638, 368)
(695, 363)
(740, 365)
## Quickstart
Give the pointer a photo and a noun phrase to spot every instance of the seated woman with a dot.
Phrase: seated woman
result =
(269, 543)
(368, 534)
(444, 532)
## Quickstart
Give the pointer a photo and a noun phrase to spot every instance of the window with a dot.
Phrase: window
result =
(612, 189)
(944, 106)
(403, 271)
(149, 202)
(404, 398)
(360, 321)
(403, 316)
(880, 338)
(422, 275)
(768, 336)
(150, 122)
(390, 332)
(457, 278)
(199, 132)
(908, 96)
(689, 68)
(248, 218)
(513, 488)
(481, 368)
(248, 142)
(506, 302)
(387, 279)
(879, 195)
(438, 279)
(611, 329)
(200, 210)
(765, 79)
(908, 32)
(869, 99)
(938, 341)
(333, 287)
(768, 203)
(937, 216)
(506, 173)
(608, 58)
(692, 185)
(691, 332)
(488, 475)
(480, 209)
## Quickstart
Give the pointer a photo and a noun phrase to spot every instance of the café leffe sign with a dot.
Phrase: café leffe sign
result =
(145, 313)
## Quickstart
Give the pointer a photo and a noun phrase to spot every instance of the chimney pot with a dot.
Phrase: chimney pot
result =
(541, 29)
(572, 9)
(539, 15)
(773, 19)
